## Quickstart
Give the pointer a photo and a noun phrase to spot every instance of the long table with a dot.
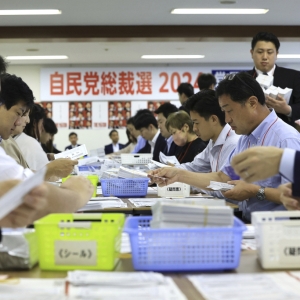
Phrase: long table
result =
(248, 264)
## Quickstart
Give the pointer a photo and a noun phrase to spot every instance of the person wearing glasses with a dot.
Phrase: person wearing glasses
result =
(243, 102)
(264, 51)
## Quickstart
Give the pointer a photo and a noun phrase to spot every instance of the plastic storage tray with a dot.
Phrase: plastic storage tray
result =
(136, 159)
(188, 249)
(79, 241)
(135, 187)
(278, 239)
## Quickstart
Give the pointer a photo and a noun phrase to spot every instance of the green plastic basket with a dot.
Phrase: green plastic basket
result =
(79, 241)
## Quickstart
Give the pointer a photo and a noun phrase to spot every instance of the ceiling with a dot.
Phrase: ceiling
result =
(83, 32)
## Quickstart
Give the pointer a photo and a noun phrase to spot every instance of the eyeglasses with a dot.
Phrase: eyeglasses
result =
(236, 75)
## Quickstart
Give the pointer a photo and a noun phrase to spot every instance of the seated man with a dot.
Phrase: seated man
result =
(209, 124)
(114, 146)
(148, 127)
(243, 101)
(73, 138)
(163, 112)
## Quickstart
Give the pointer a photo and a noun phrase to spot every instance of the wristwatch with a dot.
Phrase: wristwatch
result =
(261, 194)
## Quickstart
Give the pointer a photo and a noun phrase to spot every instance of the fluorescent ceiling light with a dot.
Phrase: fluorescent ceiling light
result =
(18, 12)
(219, 11)
(172, 56)
(36, 57)
(288, 55)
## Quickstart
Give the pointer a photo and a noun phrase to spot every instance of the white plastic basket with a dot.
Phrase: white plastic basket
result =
(136, 159)
(176, 189)
(278, 239)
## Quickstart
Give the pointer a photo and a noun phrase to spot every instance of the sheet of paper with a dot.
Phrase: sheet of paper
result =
(13, 198)
(168, 159)
(263, 286)
(74, 153)
(220, 186)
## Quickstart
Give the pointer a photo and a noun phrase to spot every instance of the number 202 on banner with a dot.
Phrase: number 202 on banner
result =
(174, 79)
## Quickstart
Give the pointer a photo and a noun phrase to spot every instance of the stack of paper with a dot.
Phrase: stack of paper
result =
(220, 186)
(274, 92)
(168, 214)
(149, 202)
(265, 81)
(130, 173)
(125, 243)
(97, 152)
(156, 165)
(168, 159)
(99, 203)
(122, 285)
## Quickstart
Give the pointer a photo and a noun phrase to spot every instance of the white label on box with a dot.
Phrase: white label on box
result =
(74, 153)
(83, 253)
(289, 251)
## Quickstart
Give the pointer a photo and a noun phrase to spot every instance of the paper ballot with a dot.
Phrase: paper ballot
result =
(74, 153)
(168, 159)
(13, 198)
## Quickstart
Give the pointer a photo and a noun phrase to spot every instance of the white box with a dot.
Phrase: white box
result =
(278, 239)
(176, 189)
(136, 159)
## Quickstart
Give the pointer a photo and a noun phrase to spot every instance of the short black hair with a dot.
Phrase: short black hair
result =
(185, 88)
(266, 37)
(14, 90)
(206, 80)
(72, 133)
(145, 120)
(37, 113)
(130, 121)
(206, 104)
(139, 113)
(166, 109)
(50, 126)
(3, 65)
(240, 87)
(112, 131)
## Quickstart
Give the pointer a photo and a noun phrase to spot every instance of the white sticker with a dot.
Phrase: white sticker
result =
(83, 253)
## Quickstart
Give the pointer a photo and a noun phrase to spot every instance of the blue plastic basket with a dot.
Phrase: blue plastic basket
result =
(188, 249)
(135, 187)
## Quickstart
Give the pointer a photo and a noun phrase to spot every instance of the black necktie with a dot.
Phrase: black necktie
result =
(264, 73)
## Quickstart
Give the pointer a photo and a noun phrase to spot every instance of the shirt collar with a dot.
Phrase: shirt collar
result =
(153, 141)
(169, 140)
(222, 136)
(260, 130)
(270, 73)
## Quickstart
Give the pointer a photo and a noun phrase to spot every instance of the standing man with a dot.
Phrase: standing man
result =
(162, 115)
(264, 50)
(114, 146)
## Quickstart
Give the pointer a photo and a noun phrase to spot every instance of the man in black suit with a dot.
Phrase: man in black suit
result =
(147, 124)
(264, 50)
(162, 115)
(114, 146)
(73, 138)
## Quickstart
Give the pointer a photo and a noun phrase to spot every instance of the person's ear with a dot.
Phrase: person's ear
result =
(252, 102)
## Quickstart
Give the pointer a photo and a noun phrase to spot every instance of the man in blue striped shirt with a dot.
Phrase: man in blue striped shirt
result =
(243, 101)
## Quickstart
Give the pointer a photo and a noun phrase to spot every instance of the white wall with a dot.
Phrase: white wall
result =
(95, 138)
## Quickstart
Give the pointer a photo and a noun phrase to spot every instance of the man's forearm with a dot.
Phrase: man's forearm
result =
(201, 180)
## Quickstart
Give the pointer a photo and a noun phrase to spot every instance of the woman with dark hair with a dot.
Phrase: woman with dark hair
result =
(29, 140)
(47, 136)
